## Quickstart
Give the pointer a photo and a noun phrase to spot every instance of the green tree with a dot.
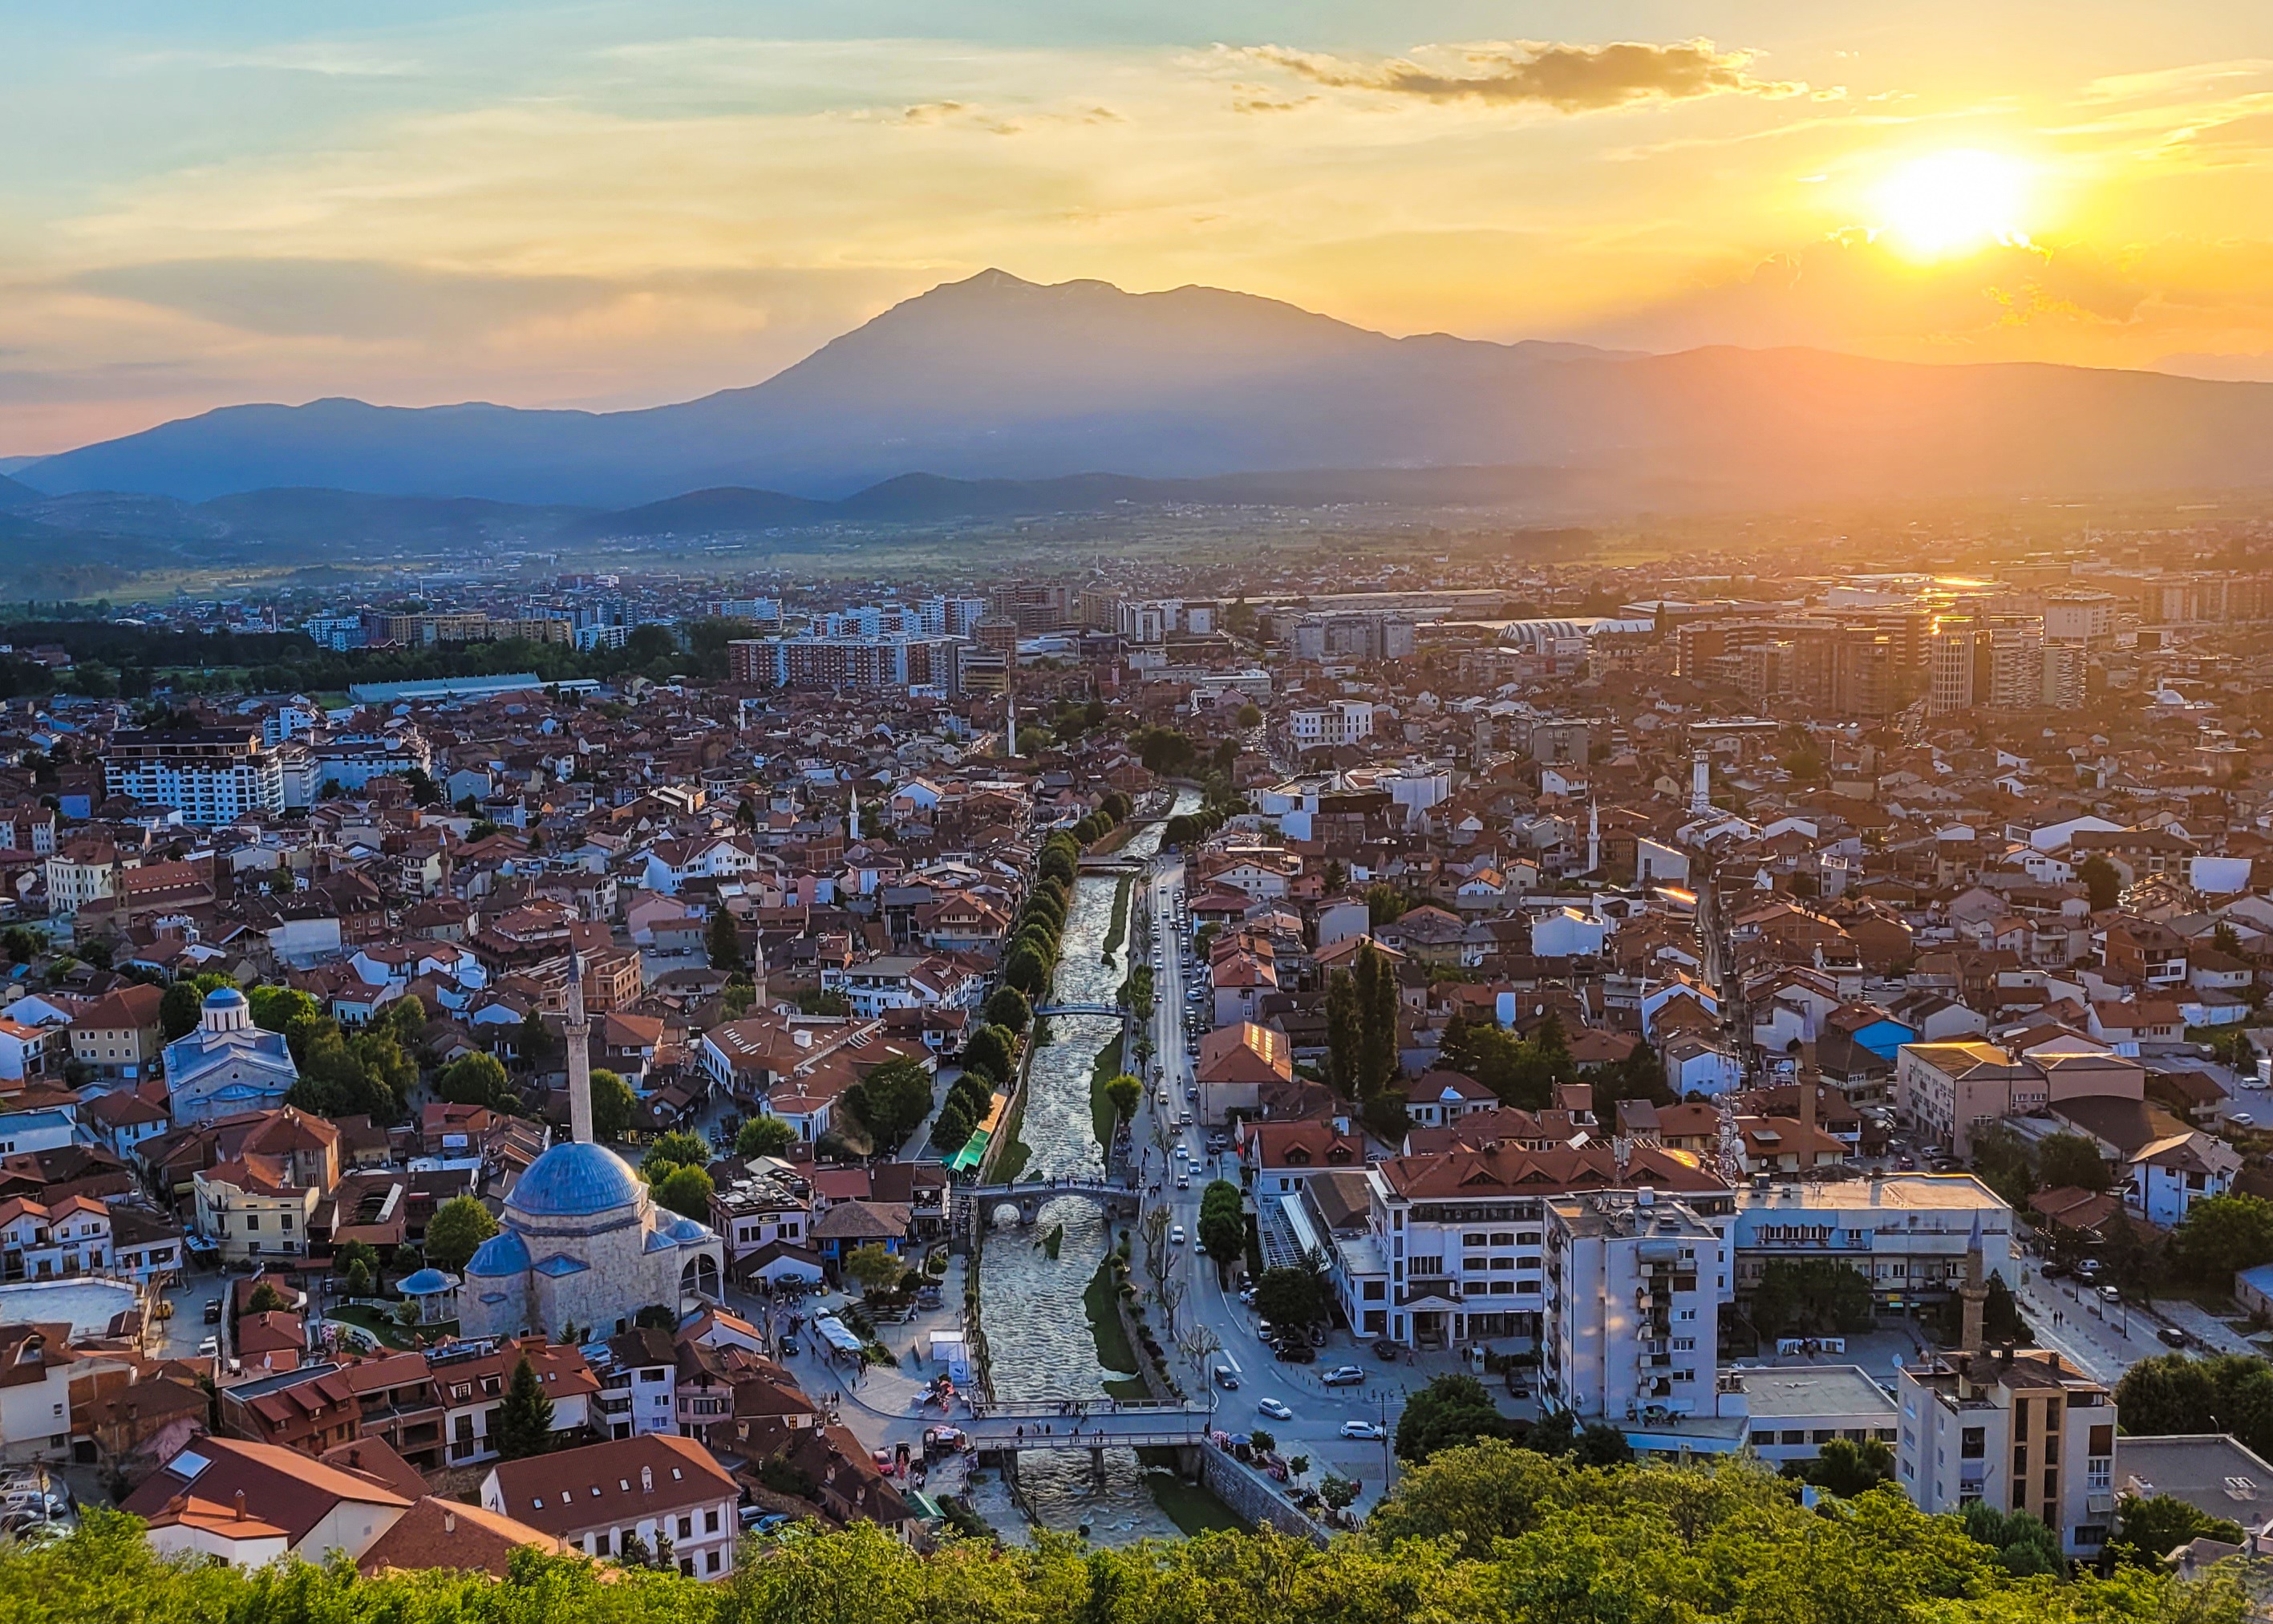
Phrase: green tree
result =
(892, 1099)
(474, 1079)
(2222, 1236)
(2004, 1163)
(1452, 1410)
(724, 942)
(1290, 1298)
(1009, 1009)
(276, 1009)
(1337, 1491)
(458, 1227)
(686, 1190)
(523, 1423)
(2024, 1544)
(873, 1268)
(1810, 1297)
(2103, 882)
(1124, 1093)
(1344, 1035)
(764, 1136)
(991, 1051)
(1846, 1468)
(1027, 970)
(1222, 1227)
(179, 1009)
(2149, 1527)
(2071, 1161)
(675, 1149)
(1376, 981)
(266, 1298)
(614, 1106)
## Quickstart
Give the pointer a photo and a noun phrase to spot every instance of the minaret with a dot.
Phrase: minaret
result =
(1010, 722)
(578, 1029)
(1594, 837)
(1975, 1295)
(1700, 785)
(852, 820)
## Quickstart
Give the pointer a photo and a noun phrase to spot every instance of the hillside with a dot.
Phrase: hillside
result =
(995, 378)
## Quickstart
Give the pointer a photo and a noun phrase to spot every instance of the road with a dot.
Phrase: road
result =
(1318, 1410)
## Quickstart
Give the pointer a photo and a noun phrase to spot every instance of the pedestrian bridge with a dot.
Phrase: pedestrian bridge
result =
(1016, 1428)
(984, 1203)
(1080, 1009)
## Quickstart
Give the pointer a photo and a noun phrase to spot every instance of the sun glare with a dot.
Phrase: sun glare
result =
(1953, 202)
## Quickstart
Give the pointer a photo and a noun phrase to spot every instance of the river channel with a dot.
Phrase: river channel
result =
(1038, 1332)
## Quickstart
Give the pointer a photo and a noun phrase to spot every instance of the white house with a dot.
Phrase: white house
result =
(2169, 1175)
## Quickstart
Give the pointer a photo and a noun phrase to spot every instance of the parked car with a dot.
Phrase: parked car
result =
(1275, 1410)
(2086, 1268)
(1293, 1351)
(1344, 1376)
(1387, 1351)
(213, 1310)
(1362, 1429)
(2108, 1293)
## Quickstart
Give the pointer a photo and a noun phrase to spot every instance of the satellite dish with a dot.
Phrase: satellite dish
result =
(1898, 1361)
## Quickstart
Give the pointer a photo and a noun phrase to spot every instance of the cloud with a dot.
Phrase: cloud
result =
(1573, 78)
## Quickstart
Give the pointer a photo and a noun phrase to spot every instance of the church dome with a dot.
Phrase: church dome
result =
(225, 998)
(575, 1181)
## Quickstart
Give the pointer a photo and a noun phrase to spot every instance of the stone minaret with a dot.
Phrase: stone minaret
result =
(1594, 837)
(1700, 785)
(1975, 1295)
(852, 830)
(577, 1029)
(1009, 722)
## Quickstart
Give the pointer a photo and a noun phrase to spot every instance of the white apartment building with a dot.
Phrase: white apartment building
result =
(2022, 1431)
(1906, 1234)
(208, 774)
(1634, 1291)
(599, 1497)
(1338, 721)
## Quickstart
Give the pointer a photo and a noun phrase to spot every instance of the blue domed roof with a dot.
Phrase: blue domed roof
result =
(575, 1181)
(224, 998)
(426, 1282)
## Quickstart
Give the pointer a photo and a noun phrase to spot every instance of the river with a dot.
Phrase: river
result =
(1038, 1332)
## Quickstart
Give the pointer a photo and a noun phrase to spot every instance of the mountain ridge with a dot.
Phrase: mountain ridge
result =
(993, 377)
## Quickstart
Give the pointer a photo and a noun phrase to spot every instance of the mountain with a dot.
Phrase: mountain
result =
(998, 379)
(13, 493)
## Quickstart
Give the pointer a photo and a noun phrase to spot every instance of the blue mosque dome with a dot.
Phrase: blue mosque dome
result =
(575, 1181)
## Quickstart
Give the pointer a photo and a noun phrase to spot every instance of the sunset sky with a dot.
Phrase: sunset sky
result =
(611, 204)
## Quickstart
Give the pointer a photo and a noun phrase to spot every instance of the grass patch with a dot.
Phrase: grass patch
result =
(1128, 1388)
(1118, 932)
(1015, 1152)
(380, 1325)
(1102, 1114)
(1191, 1506)
(1114, 1350)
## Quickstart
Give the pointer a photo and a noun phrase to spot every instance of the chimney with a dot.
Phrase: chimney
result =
(240, 1505)
(449, 1522)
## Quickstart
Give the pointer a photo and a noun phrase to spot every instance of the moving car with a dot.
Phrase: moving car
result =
(1176, 1236)
(1344, 1376)
(1226, 1378)
(210, 1347)
(213, 1310)
(2108, 1293)
(1183, 1179)
(2172, 1334)
(1362, 1429)
(1275, 1411)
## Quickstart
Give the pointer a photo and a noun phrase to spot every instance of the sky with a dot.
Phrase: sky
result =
(611, 204)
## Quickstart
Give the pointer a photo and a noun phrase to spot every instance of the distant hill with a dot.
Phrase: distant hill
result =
(998, 379)
(15, 494)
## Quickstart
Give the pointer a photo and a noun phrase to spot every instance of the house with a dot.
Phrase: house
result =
(626, 1493)
(36, 1412)
(455, 1538)
(118, 1036)
(247, 1504)
(1278, 1158)
(1236, 1064)
(1439, 1098)
(2169, 1175)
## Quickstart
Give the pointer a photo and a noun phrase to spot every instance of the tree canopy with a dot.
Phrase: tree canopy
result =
(458, 1226)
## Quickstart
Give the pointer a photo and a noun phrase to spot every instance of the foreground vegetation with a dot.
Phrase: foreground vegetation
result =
(1485, 1533)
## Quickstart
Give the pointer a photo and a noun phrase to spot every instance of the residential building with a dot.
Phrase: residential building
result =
(626, 1493)
(1634, 1285)
(2021, 1430)
(210, 775)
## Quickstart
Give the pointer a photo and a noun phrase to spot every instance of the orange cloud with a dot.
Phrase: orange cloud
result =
(1573, 78)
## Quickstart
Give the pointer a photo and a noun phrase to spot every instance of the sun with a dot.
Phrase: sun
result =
(1951, 203)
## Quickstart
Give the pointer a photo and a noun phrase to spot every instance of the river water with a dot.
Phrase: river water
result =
(1038, 1333)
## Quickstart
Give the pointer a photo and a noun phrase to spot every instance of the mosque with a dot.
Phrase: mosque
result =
(581, 1242)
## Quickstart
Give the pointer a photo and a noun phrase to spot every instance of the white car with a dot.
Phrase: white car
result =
(210, 1347)
(1362, 1429)
(1176, 1236)
(2242, 1119)
(1275, 1411)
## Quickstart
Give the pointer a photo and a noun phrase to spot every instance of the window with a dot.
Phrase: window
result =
(710, 1561)
(711, 1520)
(1793, 1435)
(1973, 1443)
(686, 1528)
(599, 1544)
(686, 1565)
(650, 1376)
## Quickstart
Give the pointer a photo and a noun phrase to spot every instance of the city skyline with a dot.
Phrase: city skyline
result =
(603, 205)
